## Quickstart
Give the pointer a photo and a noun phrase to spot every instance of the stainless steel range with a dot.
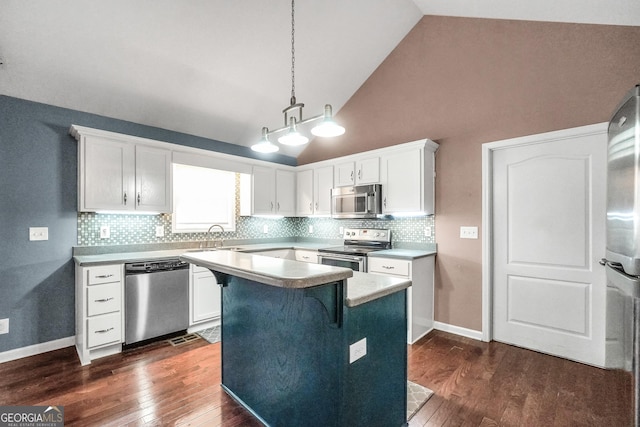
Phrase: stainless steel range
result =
(358, 242)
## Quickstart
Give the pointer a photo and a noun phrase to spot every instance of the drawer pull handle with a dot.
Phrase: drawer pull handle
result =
(103, 331)
(104, 299)
(388, 267)
(104, 276)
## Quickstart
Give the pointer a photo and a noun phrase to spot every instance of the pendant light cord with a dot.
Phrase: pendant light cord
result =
(293, 54)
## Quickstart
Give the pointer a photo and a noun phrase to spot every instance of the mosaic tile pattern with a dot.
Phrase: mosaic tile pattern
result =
(129, 229)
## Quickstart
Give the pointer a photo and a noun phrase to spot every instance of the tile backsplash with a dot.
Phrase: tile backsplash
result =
(128, 229)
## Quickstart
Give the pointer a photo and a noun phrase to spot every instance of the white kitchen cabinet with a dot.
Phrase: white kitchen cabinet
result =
(313, 190)
(278, 253)
(359, 172)
(99, 311)
(274, 191)
(304, 193)
(306, 256)
(419, 294)
(408, 179)
(322, 185)
(117, 174)
(205, 300)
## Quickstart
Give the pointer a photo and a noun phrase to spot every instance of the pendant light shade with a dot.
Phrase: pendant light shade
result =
(264, 145)
(328, 127)
(293, 137)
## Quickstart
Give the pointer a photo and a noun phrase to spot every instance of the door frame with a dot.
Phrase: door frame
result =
(487, 202)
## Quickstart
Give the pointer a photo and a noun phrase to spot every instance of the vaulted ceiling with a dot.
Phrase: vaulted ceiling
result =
(222, 69)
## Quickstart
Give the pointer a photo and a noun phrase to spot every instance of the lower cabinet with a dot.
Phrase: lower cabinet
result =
(306, 256)
(419, 294)
(205, 296)
(277, 253)
(99, 311)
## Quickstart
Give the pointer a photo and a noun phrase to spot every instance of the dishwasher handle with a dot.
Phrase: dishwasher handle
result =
(154, 266)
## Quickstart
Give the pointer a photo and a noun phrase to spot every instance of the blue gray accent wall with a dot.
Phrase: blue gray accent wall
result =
(38, 164)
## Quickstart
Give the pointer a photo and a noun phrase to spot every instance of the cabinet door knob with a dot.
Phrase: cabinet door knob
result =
(351, 176)
(385, 202)
(359, 173)
(278, 207)
(271, 205)
(125, 198)
(138, 199)
(310, 207)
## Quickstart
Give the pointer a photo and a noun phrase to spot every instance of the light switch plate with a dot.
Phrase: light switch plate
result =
(265, 229)
(159, 231)
(38, 233)
(105, 232)
(427, 231)
(357, 350)
(468, 232)
(311, 229)
(4, 326)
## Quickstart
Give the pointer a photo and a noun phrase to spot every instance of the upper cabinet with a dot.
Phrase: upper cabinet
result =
(115, 173)
(408, 178)
(314, 191)
(358, 172)
(274, 191)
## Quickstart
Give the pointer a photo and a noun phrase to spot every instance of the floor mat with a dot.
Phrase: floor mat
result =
(417, 396)
(211, 335)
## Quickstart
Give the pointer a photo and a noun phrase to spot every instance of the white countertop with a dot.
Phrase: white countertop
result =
(122, 257)
(365, 287)
(269, 270)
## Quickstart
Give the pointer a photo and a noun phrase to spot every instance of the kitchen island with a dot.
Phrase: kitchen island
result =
(309, 344)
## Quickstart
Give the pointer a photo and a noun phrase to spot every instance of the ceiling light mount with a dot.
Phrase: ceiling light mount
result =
(293, 114)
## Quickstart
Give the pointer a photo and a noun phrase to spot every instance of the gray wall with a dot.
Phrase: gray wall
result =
(38, 188)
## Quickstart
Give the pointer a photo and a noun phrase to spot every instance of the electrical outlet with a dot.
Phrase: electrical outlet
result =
(38, 233)
(159, 231)
(311, 229)
(357, 350)
(4, 326)
(265, 229)
(468, 232)
(427, 232)
(105, 232)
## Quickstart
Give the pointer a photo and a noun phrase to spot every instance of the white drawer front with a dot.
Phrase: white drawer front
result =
(104, 274)
(103, 299)
(396, 267)
(104, 329)
(307, 256)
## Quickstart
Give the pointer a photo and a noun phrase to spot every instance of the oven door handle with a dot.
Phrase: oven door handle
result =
(345, 257)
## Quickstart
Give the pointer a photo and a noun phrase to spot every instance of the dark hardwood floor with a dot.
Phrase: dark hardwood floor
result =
(475, 384)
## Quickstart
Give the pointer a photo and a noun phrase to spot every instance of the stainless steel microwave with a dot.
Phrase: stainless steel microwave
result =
(362, 201)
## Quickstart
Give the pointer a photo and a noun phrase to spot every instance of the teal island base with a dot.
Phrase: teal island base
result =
(286, 354)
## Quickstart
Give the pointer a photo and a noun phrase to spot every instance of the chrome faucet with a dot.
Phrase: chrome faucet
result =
(216, 243)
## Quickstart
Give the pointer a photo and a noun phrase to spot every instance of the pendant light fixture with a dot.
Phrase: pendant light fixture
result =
(293, 114)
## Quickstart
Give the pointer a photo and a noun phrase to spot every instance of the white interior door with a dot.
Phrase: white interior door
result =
(549, 292)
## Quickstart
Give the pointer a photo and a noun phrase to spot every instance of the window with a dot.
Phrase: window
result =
(202, 197)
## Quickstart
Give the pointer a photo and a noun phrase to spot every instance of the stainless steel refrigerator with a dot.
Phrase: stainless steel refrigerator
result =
(623, 239)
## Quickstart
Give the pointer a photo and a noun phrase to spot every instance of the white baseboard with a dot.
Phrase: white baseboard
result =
(32, 350)
(452, 329)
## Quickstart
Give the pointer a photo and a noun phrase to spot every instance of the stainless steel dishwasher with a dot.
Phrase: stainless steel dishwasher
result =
(156, 299)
